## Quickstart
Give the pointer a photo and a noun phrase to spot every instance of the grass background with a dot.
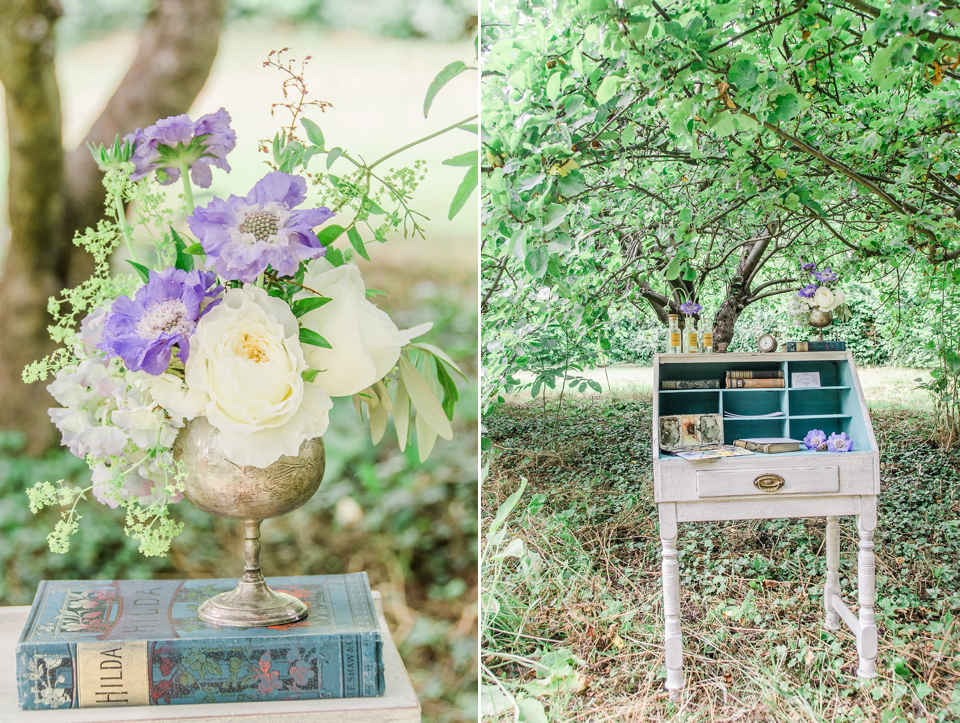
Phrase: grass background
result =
(412, 527)
(573, 583)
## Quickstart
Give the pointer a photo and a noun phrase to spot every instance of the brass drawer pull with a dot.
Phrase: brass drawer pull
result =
(768, 482)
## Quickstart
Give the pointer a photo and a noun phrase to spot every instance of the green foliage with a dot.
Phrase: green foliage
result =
(642, 155)
(579, 600)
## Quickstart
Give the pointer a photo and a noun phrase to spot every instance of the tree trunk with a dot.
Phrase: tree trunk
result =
(36, 257)
(50, 198)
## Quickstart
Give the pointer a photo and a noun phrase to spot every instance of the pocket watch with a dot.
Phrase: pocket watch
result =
(767, 343)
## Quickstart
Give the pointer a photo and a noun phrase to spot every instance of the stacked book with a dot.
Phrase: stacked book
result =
(94, 643)
(815, 346)
(770, 445)
(690, 384)
(751, 379)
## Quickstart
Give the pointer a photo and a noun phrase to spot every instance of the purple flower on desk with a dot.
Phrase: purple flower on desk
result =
(177, 142)
(816, 440)
(827, 276)
(808, 291)
(839, 443)
(690, 308)
(242, 236)
(143, 330)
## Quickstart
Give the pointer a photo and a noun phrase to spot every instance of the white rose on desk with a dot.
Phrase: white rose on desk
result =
(825, 299)
(365, 342)
(246, 359)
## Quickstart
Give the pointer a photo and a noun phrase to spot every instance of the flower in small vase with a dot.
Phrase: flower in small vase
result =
(827, 276)
(839, 442)
(162, 314)
(365, 342)
(248, 363)
(809, 267)
(175, 142)
(816, 440)
(807, 291)
(690, 308)
(243, 236)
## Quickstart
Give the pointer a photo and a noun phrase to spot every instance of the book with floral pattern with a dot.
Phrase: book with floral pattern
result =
(139, 642)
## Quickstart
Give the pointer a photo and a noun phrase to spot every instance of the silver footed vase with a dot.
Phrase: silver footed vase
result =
(251, 494)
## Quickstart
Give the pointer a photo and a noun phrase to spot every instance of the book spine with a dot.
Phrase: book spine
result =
(755, 384)
(691, 384)
(186, 671)
(815, 346)
(751, 374)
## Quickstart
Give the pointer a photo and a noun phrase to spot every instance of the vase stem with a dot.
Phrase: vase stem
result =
(251, 551)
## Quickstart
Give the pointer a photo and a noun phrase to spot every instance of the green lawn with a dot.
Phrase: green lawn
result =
(572, 583)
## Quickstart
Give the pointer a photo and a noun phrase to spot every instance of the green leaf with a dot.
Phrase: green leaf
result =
(470, 158)
(464, 191)
(786, 106)
(313, 132)
(672, 272)
(308, 336)
(305, 306)
(184, 260)
(401, 414)
(440, 354)
(441, 79)
(450, 392)
(357, 242)
(553, 86)
(743, 74)
(330, 234)
(195, 249)
(536, 262)
(424, 400)
(141, 269)
(332, 155)
(310, 375)
(608, 88)
(426, 437)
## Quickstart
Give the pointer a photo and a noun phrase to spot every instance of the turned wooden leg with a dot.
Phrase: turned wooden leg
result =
(832, 585)
(867, 640)
(673, 644)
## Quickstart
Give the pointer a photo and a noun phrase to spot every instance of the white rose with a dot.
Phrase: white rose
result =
(824, 299)
(366, 343)
(245, 356)
(839, 298)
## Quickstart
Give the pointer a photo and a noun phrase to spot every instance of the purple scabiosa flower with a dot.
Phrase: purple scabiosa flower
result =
(827, 276)
(242, 236)
(690, 308)
(808, 291)
(142, 331)
(816, 440)
(810, 267)
(839, 442)
(177, 139)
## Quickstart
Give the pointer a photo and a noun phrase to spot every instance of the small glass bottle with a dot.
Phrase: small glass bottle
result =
(674, 341)
(690, 343)
(706, 340)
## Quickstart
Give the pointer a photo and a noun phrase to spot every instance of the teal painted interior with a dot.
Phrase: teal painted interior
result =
(832, 407)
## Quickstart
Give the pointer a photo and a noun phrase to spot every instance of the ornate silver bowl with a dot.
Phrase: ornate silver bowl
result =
(251, 494)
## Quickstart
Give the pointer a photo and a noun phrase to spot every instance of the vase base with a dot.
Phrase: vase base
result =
(252, 604)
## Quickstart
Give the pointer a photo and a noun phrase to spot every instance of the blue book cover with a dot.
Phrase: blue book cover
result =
(815, 346)
(139, 642)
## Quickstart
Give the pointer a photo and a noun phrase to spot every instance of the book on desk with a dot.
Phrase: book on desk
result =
(139, 642)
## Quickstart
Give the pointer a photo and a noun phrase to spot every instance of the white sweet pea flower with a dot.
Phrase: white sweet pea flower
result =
(180, 401)
(839, 298)
(246, 358)
(824, 299)
(366, 343)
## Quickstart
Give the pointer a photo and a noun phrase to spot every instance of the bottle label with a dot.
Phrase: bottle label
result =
(674, 338)
(693, 343)
(708, 338)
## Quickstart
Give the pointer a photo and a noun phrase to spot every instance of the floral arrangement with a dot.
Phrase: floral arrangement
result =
(253, 319)
(818, 441)
(817, 294)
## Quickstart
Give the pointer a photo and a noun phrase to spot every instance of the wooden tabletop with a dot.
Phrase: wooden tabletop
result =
(399, 703)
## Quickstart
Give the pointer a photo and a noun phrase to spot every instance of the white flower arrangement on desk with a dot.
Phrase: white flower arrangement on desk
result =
(255, 322)
(820, 293)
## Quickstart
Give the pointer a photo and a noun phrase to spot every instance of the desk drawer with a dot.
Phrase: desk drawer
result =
(746, 482)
